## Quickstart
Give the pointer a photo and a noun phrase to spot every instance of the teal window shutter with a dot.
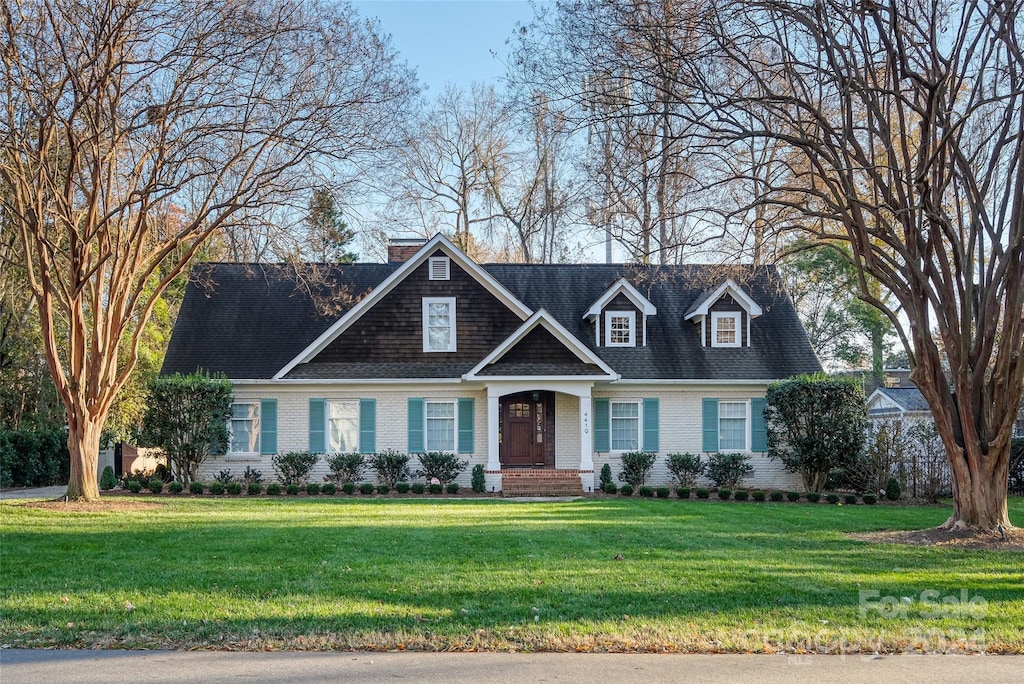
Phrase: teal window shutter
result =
(602, 423)
(710, 423)
(465, 425)
(268, 426)
(416, 426)
(758, 425)
(650, 425)
(317, 423)
(367, 426)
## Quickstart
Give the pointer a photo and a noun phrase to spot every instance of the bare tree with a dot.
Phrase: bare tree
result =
(908, 123)
(131, 132)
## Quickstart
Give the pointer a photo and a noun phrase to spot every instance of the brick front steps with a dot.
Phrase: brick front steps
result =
(541, 483)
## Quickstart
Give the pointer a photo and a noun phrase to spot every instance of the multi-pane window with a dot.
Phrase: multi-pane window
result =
(625, 425)
(440, 425)
(619, 328)
(342, 427)
(439, 324)
(732, 426)
(725, 329)
(245, 427)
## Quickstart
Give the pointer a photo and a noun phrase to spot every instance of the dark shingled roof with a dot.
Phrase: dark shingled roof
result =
(907, 398)
(249, 320)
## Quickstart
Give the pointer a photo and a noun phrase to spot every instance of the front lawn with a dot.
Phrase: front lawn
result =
(594, 575)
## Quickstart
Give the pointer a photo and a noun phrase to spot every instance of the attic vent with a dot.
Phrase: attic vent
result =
(440, 268)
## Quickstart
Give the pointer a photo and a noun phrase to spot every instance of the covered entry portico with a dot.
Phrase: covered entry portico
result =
(523, 430)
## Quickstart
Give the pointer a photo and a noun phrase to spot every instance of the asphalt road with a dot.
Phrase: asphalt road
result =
(19, 666)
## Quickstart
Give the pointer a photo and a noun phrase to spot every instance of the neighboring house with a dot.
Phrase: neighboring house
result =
(906, 401)
(529, 370)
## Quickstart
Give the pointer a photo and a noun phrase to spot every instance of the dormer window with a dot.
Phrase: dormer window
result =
(620, 328)
(725, 329)
(440, 268)
(439, 324)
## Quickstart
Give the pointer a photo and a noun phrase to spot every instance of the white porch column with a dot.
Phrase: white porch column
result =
(492, 475)
(586, 442)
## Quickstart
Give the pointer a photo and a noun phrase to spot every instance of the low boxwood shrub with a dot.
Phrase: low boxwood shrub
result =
(383, 489)
(741, 495)
(776, 496)
(419, 488)
(869, 499)
(813, 497)
(702, 492)
(313, 488)
(724, 494)
(108, 480)
(216, 488)
(832, 498)
(646, 491)
(366, 488)
(330, 489)
(793, 496)
(273, 489)
(177, 488)
(156, 485)
(850, 499)
(436, 488)
(254, 488)
(292, 489)
(626, 490)
(683, 492)
(609, 487)
(662, 492)
(134, 486)
(195, 487)
(452, 487)
(758, 495)
(349, 487)
(402, 487)
(234, 488)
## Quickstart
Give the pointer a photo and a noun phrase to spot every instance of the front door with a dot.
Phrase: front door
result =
(523, 430)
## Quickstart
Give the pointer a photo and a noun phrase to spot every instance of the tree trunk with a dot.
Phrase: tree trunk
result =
(979, 496)
(84, 448)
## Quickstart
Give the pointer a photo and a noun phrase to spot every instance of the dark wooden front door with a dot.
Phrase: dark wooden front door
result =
(524, 430)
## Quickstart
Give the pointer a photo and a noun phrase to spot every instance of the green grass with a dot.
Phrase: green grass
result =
(463, 575)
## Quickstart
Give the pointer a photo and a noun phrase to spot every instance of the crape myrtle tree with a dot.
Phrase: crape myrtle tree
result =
(187, 416)
(132, 132)
(906, 123)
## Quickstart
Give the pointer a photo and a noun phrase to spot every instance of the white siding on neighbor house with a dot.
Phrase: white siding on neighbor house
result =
(391, 433)
(680, 427)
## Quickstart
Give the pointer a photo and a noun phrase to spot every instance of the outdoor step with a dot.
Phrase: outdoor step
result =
(541, 483)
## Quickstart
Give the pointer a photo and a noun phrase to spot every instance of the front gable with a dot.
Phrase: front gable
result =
(724, 316)
(390, 325)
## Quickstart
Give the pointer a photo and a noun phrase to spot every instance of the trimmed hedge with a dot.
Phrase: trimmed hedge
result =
(34, 458)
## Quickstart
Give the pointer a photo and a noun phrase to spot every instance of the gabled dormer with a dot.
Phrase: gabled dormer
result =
(620, 316)
(724, 316)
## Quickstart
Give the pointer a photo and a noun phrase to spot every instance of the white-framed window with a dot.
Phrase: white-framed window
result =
(439, 324)
(620, 328)
(439, 268)
(732, 426)
(725, 329)
(625, 419)
(244, 428)
(440, 417)
(342, 426)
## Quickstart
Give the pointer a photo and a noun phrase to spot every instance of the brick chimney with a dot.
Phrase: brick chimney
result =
(401, 250)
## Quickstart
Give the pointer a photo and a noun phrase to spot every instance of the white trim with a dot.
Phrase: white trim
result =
(625, 287)
(327, 423)
(542, 318)
(452, 342)
(366, 303)
(628, 315)
(258, 429)
(737, 318)
(747, 426)
(730, 287)
(442, 266)
(639, 403)
(454, 403)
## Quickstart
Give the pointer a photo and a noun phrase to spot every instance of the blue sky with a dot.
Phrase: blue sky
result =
(450, 40)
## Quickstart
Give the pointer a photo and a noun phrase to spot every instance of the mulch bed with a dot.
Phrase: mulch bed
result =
(953, 539)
